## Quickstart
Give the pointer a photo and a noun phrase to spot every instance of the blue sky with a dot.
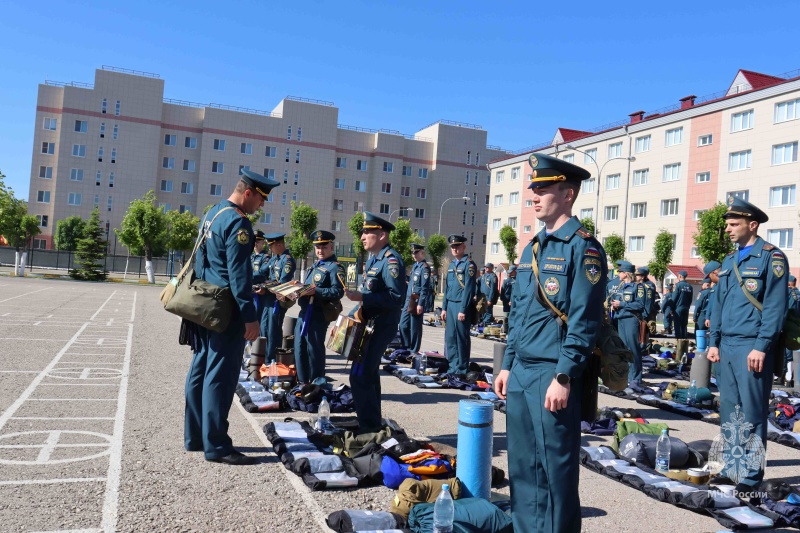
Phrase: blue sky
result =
(519, 69)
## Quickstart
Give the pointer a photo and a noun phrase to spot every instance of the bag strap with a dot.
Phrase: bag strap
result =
(560, 317)
(200, 239)
(749, 296)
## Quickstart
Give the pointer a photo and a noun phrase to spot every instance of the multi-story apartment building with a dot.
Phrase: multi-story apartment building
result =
(661, 170)
(106, 144)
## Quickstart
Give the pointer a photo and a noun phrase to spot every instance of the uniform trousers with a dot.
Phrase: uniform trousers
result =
(411, 331)
(681, 323)
(309, 348)
(457, 339)
(628, 328)
(275, 315)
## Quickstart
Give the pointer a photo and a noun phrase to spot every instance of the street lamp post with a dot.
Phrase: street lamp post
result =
(396, 210)
(465, 198)
(597, 182)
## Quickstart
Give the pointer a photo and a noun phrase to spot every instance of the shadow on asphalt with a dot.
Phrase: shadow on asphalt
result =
(423, 396)
(499, 442)
(592, 512)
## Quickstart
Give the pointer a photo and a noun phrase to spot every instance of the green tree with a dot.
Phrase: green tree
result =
(144, 228)
(588, 223)
(437, 245)
(662, 255)
(614, 247)
(711, 241)
(509, 239)
(68, 232)
(304, 220)
(90, 254)
(16, 225)
(401, 238)
(182, 230)
(355, 225)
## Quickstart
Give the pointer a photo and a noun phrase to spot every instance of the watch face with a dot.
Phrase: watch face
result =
(563, 379)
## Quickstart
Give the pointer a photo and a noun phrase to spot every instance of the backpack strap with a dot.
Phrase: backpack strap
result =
(749, 296)
(560, 317)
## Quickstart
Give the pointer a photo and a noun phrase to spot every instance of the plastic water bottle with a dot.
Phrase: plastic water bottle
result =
(691, 396)
(443, 511)
(423, 363)
(273, 375)
(662, 453)
(324, 414)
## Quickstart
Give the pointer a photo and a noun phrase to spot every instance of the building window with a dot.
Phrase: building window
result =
(406, 170)
(697, 213)
(423, 173)
(74, 198)
(242, 168)
(782, 196)
(515, 173)
(422, 194)
(742, 121)
(612, 182)
(289, 133)
(76, 174)
(219, 145)
(338, 183)
(405, 191)
(386, 188)
(269, 173)
(528, 202)
(186, 187)
(115, 133)
(190, 142)
(297, 156)
(288, 154)
(283, 199)
(166, 185)
(494, 248)
(170, 140)
(384, 209)
(512, 221)
(117, 108)
(784, 153)
(283, 221)
(590, 156)
(669, 208)
(639, 210)
(81, 126)
(341, 162)
(217, 167)
(113, 155)
(636, 244)
(358, 206)
(786, 110)
(216, 190)
(361, 165)
(466, 179)
(476, 178)
(585, 213)
(702, 177)
(388, 166)
(41, 220)
(498, 200)
(266, 218)
(43, 197)
(299, 134)
(168, 163)
(50, 148)
(98, 177)
(513, 198)
(672, 172)
(270, 151)
(642, 144)
(474, 199)
(46, 172)
(188, 165)
(100, 154)
(182, 208)
(102, 130)
(246, 148)
(496, 224)
(285, 176)
(336, 225)
(587, 186)
(569, 158)
(500, 176)
(419, 213)
(674, 136)
(782, 238)
(469, 157)
(52, 123)
(694, 254)
(78, 150)
(526, 229)
(611, 212)
(744, 195)
(740, 160)
(614, 150)
(111, 179)
(705, 140)
(338, 205)
(361, 186)
(103, 106)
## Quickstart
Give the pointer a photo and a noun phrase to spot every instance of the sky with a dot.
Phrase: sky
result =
(518, 69)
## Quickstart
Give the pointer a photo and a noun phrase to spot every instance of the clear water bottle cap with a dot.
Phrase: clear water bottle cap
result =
(663, 431)
(445, 487)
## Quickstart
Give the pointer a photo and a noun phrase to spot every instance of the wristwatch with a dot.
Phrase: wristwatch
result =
(562, 379)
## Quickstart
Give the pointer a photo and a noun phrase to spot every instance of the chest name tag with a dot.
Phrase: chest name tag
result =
(554, 267)
(751, 273)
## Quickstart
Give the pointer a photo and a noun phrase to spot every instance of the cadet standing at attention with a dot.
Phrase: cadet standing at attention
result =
(505, 294)
(327, 276)
(457, 306)
(682, 297)
(668, 308)
(746, 320)
(629, 306)
(282, 267)
(381, 298)
(556, 314)
(224, 260)
(419, 284)
(487, 285)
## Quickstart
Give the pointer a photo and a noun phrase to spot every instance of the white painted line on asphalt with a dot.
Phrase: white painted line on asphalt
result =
(72, 399)
(30, 339)
(19, 371)
(21, 295)
(55, 482)
(82, 384)
(102, 306)
(62, 418)
(294, 481)
(37, 323)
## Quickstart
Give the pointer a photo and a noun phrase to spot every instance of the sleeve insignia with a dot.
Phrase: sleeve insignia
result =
(394, 269)
(640, 292)
(591, 268)
(778, 268)
(471, 270)
(287, 268)
(243, 237)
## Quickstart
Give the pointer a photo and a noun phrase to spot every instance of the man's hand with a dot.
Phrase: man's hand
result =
(261, 291)
(419, 310)
(556, 396)
(462, 317)
(708, 323)
(444, 315)
(251, 331)
(354, 296)
(713, 355)
(755, 361)
(615, 304)
(501, 384)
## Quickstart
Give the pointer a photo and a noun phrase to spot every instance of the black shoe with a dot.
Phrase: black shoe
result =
(235, 458)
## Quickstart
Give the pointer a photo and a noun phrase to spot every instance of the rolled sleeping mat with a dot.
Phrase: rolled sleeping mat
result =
(701, 370)
(259, 346)
(474, 467)
(700, 335)
(289, 323)
(796, 370)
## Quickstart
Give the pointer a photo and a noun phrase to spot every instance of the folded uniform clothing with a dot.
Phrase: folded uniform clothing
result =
(351, 521)
(601, 427)
(412, 492)
(787, 438)
(789, 511)
(625, 428)
(399, 356)
(260, 402)
(674, 407)
(469, 514)
(431, 385)
(307, 398)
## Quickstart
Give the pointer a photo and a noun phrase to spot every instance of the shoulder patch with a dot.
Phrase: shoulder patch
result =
(392, 259)
(243, 237)
(592, 252)
(768, 247)
(583, 232)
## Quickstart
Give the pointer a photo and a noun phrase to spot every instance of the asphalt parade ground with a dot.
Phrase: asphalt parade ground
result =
(91, 429)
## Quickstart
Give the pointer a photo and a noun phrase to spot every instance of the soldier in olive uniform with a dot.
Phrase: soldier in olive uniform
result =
(224, 260)
(328, 278)
(281, 269)
(505, 294)
(457, 306)
(487, 286)
(746, 321)
(419, 284)
(629, 306)
(381, 298)
(682, 297)
(556, 313)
